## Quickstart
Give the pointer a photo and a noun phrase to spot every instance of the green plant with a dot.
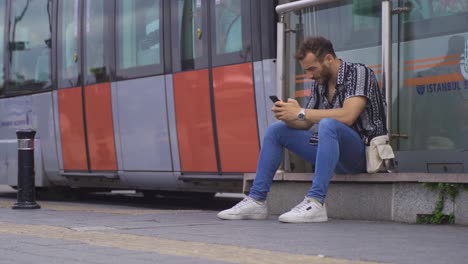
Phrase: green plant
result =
(450, 190)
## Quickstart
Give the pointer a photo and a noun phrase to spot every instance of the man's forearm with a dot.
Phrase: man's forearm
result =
(314, 116)
(347, 115)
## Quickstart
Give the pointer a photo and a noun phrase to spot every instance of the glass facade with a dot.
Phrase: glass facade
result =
(429, 9)
(433, 95)
(332, 22)
(429, 72)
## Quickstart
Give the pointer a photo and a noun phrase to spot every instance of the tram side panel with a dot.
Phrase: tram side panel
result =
(194, 121)
(236, 117)
(28, 112)
(141, 110)
(143, 140)
(72, 132)
(99, 119)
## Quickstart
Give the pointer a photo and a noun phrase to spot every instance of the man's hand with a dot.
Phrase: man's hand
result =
(286, 111)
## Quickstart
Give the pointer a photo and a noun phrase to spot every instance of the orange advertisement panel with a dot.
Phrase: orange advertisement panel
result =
(236, 118)
(70, 105)
(194, 121)
(100, 128)
(444, 78)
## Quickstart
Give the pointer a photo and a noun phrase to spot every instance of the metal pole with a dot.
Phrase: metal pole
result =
(293, 6)
(387, 59)
(280, 58)
(280, 74)
(26, 186)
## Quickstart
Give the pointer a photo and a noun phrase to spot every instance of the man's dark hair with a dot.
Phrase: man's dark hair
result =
(319, 46)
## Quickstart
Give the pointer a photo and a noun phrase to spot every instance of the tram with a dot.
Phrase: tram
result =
(164, 95)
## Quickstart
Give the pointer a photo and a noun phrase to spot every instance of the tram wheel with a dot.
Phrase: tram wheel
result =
(149, 195)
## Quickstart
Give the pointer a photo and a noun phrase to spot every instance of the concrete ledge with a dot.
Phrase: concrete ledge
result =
(366, 177)
(383, 196)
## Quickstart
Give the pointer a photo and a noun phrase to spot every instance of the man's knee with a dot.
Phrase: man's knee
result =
(276, 128)
(328, 124)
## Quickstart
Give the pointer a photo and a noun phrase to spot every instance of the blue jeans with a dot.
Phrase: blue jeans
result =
(340, 149)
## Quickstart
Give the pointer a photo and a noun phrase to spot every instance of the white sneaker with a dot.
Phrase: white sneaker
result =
(307, 211)
(246, 209)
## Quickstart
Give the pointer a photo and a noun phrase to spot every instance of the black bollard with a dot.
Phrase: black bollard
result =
(26, 186)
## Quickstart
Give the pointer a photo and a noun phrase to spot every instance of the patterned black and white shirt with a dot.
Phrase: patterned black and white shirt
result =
(355, 79)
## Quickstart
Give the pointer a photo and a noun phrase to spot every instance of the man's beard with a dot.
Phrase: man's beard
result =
(325, 75)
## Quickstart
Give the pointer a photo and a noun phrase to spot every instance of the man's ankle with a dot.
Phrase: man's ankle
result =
(315, 200)
(258, 201)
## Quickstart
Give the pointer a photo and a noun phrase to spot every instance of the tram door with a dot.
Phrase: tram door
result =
(84, 97)
(213, 86)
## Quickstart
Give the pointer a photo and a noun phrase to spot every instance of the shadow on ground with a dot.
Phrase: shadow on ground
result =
(153, 200)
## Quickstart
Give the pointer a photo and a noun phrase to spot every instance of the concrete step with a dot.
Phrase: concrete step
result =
(399, 197)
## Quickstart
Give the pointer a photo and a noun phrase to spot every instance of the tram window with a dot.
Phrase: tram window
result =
(190, 40)
(139, 34)
(190, 29)
(68, 44)
(95, 65)
(228, 26)
(29, 46)
(2, 21)
(231, 39)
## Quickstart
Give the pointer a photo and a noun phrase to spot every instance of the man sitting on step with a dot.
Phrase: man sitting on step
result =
(345, 110)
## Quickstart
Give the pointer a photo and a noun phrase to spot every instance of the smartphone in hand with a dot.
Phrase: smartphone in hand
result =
(274, 98)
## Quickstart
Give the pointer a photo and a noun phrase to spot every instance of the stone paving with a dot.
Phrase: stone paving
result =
(96, 232)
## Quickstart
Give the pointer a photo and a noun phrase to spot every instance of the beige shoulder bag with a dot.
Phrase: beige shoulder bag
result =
(379, 155)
